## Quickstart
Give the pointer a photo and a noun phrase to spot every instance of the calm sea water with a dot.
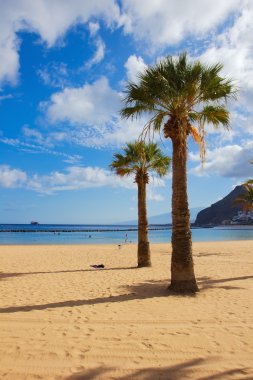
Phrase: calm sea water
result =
(116, 234)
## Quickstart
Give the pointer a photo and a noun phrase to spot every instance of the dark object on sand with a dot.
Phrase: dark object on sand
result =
(97, 266)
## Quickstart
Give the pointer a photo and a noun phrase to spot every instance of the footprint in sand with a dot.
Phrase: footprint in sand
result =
(148, 345)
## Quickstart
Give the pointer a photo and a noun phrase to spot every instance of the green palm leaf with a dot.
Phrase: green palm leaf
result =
(175, 92)
(140, 158)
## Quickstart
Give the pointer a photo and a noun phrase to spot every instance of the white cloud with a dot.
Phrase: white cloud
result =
(73, 178)
(234, 48)
(99, 44)
(11, 178)
(40, 145)
(78, 178)
(34, 133)
(160, 23)
(152, 195)
(92, 111)
(9, 60)
(114, 133)
(4, 97)
(134, 66)
(93, 28)
(228, 161)
(89, 104)
(167, 22)
(50, 19)
(99, 54)
(54, 74)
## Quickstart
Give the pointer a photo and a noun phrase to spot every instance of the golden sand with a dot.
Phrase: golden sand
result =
(60, 319)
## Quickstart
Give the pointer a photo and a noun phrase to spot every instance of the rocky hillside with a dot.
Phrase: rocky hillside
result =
(221, 210)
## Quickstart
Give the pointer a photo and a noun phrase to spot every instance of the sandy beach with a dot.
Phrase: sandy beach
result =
(61, 319)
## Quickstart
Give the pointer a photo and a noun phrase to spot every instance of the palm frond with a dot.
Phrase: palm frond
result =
(245, 200)
(176, 93)
(215, 114)
(139, 158)
(196, 136)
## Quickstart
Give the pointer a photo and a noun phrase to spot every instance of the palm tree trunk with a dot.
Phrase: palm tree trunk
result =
(182, 270)
(143, 243)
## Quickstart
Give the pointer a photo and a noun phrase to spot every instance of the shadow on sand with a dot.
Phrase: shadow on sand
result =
(18, 274)
(149, 289)
(176, 372)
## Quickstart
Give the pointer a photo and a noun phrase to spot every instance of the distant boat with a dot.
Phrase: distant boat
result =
(34, 223)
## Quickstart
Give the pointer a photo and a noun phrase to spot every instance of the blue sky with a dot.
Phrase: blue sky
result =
(63, 69)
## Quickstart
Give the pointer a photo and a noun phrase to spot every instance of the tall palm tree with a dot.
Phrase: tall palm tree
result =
(177, 93)
(141, 159)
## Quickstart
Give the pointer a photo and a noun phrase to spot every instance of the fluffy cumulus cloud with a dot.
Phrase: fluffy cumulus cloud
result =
(92, 111)
(166, 22)
(11, 178)
(9, 60)
(134, 67)
(234, 48)
(77, 178)
(229, 161)
(94, 103)
(160, 23)
(73, 178)
(50, 19)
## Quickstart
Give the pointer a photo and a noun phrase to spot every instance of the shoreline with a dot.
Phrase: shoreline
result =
(96, 243)
(61, 319)
(120, 235)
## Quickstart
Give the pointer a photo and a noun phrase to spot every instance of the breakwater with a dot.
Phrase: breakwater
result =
(83, 230)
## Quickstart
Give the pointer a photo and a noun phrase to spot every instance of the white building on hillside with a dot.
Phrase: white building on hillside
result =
(243, 217)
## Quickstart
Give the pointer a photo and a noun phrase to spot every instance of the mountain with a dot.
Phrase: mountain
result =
(221, 210)
(165, 218)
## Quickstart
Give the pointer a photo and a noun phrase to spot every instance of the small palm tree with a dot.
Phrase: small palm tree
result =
(177, 94)
(245, 200)
(141, 159)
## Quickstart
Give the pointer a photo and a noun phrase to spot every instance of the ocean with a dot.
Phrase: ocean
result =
(109, 234)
